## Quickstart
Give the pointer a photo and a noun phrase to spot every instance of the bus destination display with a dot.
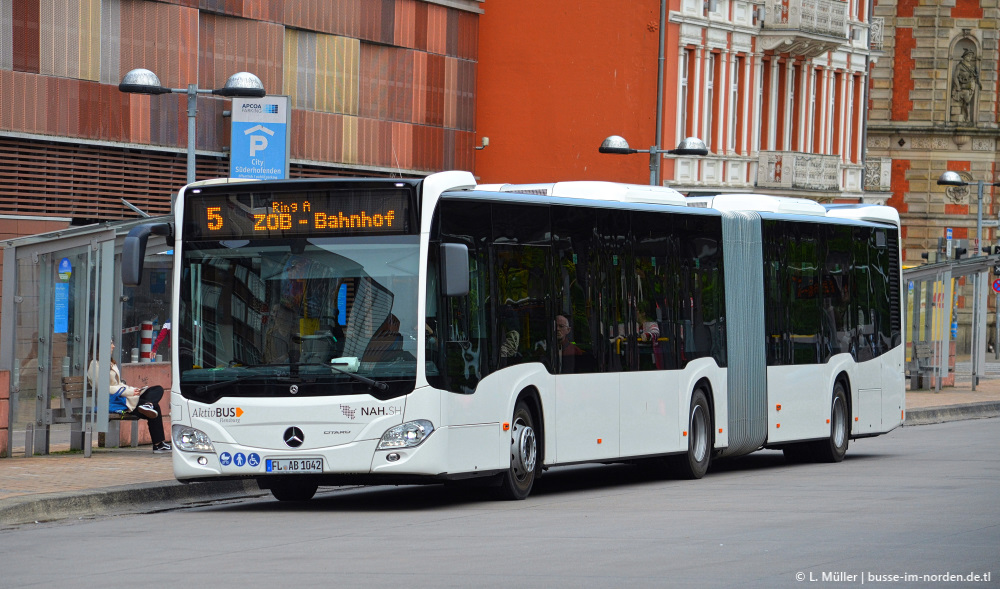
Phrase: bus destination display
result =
(247, 215)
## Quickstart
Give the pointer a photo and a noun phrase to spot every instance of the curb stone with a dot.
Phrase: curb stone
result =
(127, 499)
(952, 413)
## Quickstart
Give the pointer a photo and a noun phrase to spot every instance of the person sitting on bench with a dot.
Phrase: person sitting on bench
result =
(142, 402)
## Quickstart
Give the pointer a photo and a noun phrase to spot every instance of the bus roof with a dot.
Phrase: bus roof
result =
(595, 190)
(765, 203)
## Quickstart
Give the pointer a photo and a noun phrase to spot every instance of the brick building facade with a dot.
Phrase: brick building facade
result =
(933, 108)
(776, 88)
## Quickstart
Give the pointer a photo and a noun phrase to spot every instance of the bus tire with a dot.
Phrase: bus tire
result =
(517, 482)
(291, 491)
(834, 449)
(693, 464)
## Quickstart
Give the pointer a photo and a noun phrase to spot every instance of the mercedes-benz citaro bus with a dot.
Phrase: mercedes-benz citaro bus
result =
(392, 331)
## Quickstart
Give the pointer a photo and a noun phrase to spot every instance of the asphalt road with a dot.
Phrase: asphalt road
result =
(919, 501)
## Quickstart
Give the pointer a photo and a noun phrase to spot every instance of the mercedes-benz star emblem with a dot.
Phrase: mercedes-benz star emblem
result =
(293, 437)
(293, 389)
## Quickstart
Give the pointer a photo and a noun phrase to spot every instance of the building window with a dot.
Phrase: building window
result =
(709, 99)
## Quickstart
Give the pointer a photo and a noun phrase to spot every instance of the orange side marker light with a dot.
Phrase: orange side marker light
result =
(828, 421)
(720, 430)
(598, 440)
(778, 407)
(685, 434)
(777, 425)
(506, 427)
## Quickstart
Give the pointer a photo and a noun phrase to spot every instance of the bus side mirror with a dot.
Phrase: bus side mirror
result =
(134, 250)
(454, 269)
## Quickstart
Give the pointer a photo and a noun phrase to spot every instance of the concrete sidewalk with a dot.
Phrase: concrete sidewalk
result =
(134, 480)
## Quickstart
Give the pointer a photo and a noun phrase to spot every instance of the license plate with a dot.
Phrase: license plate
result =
(294, 465)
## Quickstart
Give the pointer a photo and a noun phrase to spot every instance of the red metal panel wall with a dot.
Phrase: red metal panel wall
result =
(25, 31)
(433, 111)
(230, 45)
(162, 38)
(437, 29)
(416, 99)
(468, 36)
(343, 17)
(269, 10)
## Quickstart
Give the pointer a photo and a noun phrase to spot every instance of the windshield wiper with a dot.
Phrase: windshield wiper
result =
(375, 384)
(223, 383)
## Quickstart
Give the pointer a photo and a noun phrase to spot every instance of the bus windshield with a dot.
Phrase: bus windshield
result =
(303, 316)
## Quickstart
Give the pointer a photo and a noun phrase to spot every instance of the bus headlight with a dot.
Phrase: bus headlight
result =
(407, 435)
(190, 439)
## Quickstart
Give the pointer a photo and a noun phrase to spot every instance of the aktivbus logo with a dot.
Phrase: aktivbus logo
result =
(223, 414)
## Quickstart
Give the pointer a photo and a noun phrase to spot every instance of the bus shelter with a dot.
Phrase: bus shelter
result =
(929, 319)
(62, 304)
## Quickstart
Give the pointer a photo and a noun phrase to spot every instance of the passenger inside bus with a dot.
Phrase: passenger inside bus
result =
(570, 358)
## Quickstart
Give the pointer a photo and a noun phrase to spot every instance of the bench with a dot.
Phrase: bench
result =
(72, 392)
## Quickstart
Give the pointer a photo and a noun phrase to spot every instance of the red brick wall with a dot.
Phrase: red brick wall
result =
(905, 8)
(966, 9)
(902, 82)
(900, 185)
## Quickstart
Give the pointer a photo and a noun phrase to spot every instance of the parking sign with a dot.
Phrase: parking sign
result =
(259, 145)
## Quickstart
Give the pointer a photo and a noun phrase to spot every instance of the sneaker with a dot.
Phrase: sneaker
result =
(167, 445)
(147, 410)
(161, 448)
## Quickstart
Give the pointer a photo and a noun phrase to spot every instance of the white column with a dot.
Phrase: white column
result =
(696, 69)
(772, 106)
(810, 111)
(754, 97)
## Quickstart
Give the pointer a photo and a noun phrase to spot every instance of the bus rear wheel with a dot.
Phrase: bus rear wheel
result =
(517, 482)
(694, 463)
(292, 491)
(834, 449)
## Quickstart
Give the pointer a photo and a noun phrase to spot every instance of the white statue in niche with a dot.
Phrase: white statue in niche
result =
(964, 83)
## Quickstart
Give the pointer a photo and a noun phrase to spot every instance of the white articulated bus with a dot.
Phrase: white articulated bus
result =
(374, 331)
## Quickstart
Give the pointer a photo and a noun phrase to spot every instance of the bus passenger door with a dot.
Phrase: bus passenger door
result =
(589, 315)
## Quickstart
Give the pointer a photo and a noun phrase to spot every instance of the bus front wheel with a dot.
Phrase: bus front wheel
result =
(520, 476)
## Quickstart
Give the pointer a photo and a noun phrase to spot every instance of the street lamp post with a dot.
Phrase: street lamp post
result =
(950, 178)
(690, 146)
(240, 85)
